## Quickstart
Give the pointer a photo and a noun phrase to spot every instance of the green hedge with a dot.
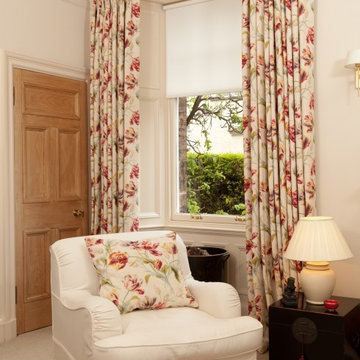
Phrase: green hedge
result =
(215, 183)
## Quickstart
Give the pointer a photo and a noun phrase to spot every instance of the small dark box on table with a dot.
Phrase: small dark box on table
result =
(314, 332)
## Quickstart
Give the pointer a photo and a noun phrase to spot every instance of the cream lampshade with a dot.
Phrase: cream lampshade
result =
(353, 62)
(317, 240)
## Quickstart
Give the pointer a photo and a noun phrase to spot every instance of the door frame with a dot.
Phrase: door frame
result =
(9, 61)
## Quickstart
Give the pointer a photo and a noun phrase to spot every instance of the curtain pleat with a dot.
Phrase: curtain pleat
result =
(279, 154)
(114, 115)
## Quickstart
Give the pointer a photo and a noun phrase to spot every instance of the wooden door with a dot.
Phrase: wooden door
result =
(51, 176)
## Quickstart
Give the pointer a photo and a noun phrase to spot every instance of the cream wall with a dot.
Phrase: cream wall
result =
(338, 131)
(55, 30)
(41, 35)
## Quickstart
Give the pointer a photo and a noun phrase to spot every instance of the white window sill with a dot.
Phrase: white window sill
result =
(201, 226)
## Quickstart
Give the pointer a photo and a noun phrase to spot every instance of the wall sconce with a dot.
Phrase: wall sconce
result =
(353, 62)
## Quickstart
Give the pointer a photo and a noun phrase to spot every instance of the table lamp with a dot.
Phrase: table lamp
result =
(317, 240)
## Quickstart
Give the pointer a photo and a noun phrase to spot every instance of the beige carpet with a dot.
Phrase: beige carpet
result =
(38, 345)
(34, 345)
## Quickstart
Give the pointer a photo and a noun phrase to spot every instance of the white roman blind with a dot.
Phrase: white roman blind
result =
(203, 47)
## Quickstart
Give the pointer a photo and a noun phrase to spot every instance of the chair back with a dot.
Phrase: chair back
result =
(72, 268)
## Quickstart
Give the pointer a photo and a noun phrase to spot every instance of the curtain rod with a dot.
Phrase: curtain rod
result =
(183, 3)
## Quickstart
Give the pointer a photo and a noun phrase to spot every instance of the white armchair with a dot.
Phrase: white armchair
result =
(87, 326)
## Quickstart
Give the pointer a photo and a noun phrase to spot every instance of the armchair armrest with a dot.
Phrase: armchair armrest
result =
(104, 315)
(216, 298)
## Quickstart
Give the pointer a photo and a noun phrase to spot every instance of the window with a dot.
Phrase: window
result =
(209, 155)
(203, 56)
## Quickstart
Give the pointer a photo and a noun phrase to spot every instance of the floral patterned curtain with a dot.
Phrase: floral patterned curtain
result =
(114, 115)
(279, 162)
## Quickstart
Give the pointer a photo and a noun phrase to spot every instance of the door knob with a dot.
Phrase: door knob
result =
(77, 212)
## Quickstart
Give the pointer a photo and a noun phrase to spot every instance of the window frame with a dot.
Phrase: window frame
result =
(175, 218)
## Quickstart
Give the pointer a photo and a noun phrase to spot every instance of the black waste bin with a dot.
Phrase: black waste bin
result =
(209, 267)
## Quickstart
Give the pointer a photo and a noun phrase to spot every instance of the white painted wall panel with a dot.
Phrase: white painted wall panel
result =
(150, 43)
(149, 168)
(152, 109)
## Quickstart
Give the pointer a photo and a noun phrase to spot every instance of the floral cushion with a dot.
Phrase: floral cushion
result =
(141, 274)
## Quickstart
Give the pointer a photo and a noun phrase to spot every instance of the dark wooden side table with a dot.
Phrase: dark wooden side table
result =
(314, 332)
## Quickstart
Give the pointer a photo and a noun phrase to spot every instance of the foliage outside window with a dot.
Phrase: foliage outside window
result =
(210, 179)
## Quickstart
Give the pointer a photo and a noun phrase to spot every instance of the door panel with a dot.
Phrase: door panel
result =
(42, 100)
(56, 216)
(50, 182)
(36, 263)
(36, 165)
(69, 165)
(64, 233)
(37, 314)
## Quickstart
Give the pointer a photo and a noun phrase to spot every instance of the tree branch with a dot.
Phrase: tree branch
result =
(194, 109)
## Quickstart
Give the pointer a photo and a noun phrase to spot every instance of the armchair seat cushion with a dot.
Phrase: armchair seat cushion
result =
(180, 333)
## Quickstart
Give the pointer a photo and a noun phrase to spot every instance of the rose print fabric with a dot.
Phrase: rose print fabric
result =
(279, 154)
(140, 274)
(114, 115)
